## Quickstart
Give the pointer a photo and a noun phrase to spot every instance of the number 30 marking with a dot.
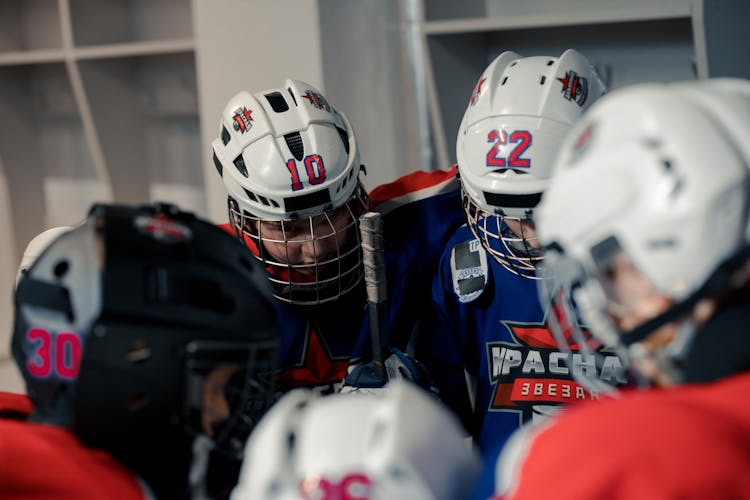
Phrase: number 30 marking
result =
(54, 354)
(514, 160)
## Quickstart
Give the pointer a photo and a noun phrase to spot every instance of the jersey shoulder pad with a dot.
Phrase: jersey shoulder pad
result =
(469, 270)
(412, 187)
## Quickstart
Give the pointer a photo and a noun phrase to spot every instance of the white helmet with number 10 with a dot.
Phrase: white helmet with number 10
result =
(290, 164)
(517, 117)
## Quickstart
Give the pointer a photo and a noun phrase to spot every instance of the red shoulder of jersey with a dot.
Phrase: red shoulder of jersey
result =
(227, 227)
(46, 461)
(684, 442)
(413, 187)
(14, 405)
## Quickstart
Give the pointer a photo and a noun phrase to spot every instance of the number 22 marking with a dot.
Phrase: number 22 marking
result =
(514, 160)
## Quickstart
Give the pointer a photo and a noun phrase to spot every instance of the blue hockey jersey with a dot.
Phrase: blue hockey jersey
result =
(489, 329)
(420, 212)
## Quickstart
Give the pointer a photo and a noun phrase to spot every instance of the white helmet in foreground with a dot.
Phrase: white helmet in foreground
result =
(655, 177)
(516, 120)
(400, 443)
(290, 164)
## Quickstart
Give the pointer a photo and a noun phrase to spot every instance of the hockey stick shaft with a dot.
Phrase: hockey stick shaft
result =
(373, 257)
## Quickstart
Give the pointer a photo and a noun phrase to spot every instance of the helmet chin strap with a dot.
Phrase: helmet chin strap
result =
(727, 277)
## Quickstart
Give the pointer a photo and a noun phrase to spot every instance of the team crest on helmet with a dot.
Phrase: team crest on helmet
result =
(317, 100)
(582, 143)
(162, 228)
(574, 88)
(477, 90)
(243, 120)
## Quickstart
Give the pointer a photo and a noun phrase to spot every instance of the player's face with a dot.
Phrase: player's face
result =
(309, 241)
(215, 408)
(634, 300)
(524, 229)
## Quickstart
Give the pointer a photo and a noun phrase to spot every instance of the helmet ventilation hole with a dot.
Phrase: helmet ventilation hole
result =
(294, 143)
(505, 79)
(225, 137)
(138, 352)
(251, 195)
(542, 80)
(239, 162)
(550, 62)
(344, 138)
(277, 102)
(218, 165)
(292, 94)
(61, 268)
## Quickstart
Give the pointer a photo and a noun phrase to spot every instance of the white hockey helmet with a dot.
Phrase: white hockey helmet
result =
(657, 174)
(290, 164)
(517, 117)
(399, 443)
(36, 246)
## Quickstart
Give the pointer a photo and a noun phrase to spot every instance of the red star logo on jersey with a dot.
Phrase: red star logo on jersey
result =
(317, 367)
(477, 90)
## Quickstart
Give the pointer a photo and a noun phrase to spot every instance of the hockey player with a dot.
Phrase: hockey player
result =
(396, 444)
(647, 222)
(489, 321)
(290, 164)
(122, 325)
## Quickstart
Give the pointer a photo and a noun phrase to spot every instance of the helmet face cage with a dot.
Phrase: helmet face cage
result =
(310, 260)
(228, 386)
(514, 252)
(572, 301)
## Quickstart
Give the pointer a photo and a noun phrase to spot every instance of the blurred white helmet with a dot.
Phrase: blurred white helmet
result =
(36, 246)
(290, 164)
(399, 443)
(656, 174)
(517, 117)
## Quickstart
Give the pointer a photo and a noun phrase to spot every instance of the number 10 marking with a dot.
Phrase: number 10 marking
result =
(316, 171)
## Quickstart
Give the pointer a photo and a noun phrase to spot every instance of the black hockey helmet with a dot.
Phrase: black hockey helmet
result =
(122, 325)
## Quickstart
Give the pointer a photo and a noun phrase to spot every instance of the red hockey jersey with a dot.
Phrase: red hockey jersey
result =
(46, 461)
(691, 441)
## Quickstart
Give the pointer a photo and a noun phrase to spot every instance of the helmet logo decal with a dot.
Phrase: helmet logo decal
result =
(574, 87)
(355, 486)
(582, 143)
(316, 171)
(243, 120)
(317, 100)
(53, 355)
(499, 138)
(161, 228)
(477, 90)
